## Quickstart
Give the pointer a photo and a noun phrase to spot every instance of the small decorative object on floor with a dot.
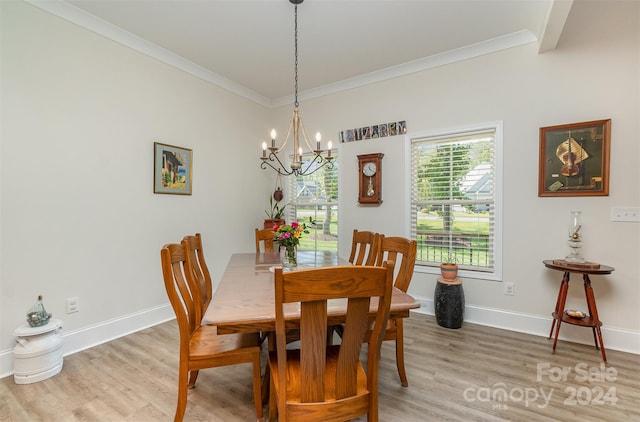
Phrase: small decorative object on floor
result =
(575, 238)
(449, 303)
(38, 352)
(37, 315)
(288, 236)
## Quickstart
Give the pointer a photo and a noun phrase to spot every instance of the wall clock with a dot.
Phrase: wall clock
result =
(370, 178)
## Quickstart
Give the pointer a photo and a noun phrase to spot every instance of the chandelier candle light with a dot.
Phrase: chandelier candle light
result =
(296, 166)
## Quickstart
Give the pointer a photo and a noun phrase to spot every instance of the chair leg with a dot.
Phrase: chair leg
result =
(400, 353)
(372, 414)
(182, 393)
(257, 393)
(193, 376)
(272, 400)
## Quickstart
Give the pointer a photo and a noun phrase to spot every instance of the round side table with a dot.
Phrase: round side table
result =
(559, 316)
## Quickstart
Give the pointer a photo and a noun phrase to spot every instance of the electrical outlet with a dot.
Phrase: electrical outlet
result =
(625, 214)
(508, 288)
(73, 304)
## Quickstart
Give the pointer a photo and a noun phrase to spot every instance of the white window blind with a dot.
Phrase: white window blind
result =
(316, 196)
(453, 199)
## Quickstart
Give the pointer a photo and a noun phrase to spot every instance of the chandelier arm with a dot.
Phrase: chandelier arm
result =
(286, 137)
(305, 136)
(321, 163)
(273, 157)
(309, 164)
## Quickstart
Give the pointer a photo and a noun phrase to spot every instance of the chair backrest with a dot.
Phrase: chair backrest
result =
(265, 236)
(181, 289)
(200, 270)
(403, 252)
(312, 288)
(364, 247)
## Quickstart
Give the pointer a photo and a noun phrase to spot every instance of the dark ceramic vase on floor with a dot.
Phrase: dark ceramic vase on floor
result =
(449, 303)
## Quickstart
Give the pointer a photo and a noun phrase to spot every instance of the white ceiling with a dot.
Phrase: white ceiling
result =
(247, 46)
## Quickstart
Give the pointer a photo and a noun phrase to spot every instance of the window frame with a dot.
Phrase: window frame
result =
(497, 127)
(293, 205)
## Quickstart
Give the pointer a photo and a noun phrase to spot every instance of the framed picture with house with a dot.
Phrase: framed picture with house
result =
(574, 159)
(172, 169)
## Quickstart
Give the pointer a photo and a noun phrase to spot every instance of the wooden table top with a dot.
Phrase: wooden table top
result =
(576, 268)
(244, 300)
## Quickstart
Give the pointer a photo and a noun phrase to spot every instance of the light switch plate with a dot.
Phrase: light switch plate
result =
(625, 214)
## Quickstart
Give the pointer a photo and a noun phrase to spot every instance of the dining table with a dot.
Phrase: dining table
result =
(244, 300)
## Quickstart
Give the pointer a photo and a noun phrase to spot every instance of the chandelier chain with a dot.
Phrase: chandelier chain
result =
(296, 53)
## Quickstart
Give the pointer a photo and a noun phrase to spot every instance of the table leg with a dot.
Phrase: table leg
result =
(593, 312)
(266, 379)
(562, 299)
(595, 338)
(553, 323)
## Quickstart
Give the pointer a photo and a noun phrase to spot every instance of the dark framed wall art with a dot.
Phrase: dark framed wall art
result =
(171, 169)
(574, 159)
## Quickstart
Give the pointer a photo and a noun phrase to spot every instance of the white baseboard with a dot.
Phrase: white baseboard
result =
(93, 335)
(614, 338)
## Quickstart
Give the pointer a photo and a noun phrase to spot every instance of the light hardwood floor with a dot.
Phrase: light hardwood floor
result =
(454, 375)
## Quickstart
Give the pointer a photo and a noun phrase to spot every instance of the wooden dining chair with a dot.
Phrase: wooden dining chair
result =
(403, 252)
(364, 247)
(200, 270)
(200, 345)
(364, 251)
(321, 382)
(266, 237)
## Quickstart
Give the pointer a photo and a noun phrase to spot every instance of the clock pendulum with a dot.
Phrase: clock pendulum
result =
(370, 191)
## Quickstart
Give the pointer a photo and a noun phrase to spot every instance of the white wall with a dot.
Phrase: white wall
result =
(78, 216)
(593, 74)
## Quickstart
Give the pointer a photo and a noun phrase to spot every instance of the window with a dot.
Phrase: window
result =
(454, 199)
(316, 196)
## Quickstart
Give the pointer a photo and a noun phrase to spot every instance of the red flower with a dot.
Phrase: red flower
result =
(294, 225)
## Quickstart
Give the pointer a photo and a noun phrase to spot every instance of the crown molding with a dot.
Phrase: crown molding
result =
(504, 42)
(83, 19)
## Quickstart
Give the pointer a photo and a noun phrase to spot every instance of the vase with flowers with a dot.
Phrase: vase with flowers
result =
(288, 236)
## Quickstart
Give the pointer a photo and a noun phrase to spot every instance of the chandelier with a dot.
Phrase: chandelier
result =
(297, 167)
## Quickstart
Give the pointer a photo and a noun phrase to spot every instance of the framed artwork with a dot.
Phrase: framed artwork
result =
(171, 169)
(574, 159)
